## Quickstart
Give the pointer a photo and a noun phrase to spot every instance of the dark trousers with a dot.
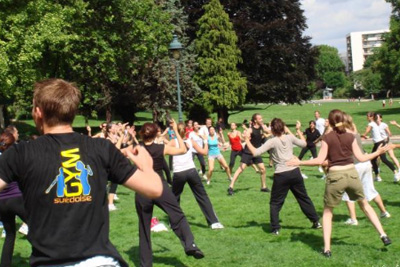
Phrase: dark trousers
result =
(9, 208)
(167, 172)
(383, 159)
(283, 182)
(234, 154)
(168, 203)
(202, 162)
(113, 188)
(193, 179)
(304, 150)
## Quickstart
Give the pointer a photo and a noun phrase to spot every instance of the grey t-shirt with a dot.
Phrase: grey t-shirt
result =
(281, 150)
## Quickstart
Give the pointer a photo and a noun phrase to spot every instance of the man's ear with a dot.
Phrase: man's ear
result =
(38, 113)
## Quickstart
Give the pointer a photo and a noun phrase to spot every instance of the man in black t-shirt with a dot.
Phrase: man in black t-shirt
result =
(63, 177)
(256, 132)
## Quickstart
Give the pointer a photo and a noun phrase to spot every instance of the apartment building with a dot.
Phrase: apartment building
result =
(360, 45)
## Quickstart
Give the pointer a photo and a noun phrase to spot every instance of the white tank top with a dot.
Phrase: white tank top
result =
(184, 162)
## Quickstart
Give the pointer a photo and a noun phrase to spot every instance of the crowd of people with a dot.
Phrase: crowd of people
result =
(62, 178)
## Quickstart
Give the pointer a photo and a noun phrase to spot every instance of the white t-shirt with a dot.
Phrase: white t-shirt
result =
(382, 129)
(375, 132)
(184, 162)
(193, 136)
(204, 131)
(320, 125)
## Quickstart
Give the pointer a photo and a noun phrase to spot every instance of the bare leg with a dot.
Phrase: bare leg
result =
(237, 173)
(210, 170)
(370, 213)
(263, 175)
(379, 203)
(327, 227)
(222, 162)
(393, 157)
(352, 210)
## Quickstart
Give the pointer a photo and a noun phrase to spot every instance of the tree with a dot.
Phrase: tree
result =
(329, 67)
(389, 53)
(218, 57)
(278, 60)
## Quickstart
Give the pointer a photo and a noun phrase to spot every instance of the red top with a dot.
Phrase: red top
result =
(188, 131)
(235, 143)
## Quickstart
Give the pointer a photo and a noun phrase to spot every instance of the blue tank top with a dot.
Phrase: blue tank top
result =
(213, 149)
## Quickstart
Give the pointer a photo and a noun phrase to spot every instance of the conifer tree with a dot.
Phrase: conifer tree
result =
(218, 56)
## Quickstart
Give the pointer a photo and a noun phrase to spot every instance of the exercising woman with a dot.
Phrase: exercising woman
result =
(185, 172)
(214, 153)
(377, 140)
(338, 147)
(198, 138)
(167, 202)
(285, 178)
(235, 138)
(11, 205)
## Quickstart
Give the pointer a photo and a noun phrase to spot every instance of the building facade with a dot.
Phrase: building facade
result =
(360, 45)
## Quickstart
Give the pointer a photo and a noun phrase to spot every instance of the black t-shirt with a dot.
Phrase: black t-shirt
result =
(156, 151)
(256, 138)
(63, 178)
(311, 136)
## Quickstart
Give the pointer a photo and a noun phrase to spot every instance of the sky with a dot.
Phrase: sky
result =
(329, 21)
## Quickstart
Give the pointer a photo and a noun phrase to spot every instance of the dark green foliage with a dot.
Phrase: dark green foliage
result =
(218, 56)
(329, 67)
(278, 60)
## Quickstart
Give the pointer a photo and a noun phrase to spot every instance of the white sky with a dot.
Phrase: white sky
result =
(330, 20)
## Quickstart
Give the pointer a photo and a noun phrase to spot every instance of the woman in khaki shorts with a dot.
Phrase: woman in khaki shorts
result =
(338, 148)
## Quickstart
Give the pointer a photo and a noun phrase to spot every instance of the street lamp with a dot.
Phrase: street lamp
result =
(175, 47)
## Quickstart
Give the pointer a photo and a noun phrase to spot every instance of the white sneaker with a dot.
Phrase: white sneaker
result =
(3, 234)
(385, 215)
(320, 169)
(351, 222)
(378, 179)
(200, 172)
(216, 226)
(116, 197)
(397, 177)
(205, 177)
(304, 176)
(24, 229)
(323, 177)
(208, 182)
(112, 207)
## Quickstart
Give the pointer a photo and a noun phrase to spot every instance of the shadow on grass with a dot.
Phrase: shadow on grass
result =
(392, 203)
(265, 226)
(390, 111)
(133, 253)
(20, 261)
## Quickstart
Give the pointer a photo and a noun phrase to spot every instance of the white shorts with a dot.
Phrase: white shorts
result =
(214, 157)
(364, 170)
(95, 261)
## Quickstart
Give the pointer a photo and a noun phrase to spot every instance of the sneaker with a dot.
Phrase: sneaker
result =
(116, 197)
(208, 182)
(385, 215)
(230, 191)
(112, 207)
(216, 226)
(386, 240)
(3, 234)
(320, 169)
(230, 179)
(195, 252)
(396, 177)
(265, 190)
(326, 254)
(351, 222)
(24, 229)
(304, 176)
(378, 179)
(275, 232)
(200, 172)
(316, 225)
(323, 177)
(205, 177)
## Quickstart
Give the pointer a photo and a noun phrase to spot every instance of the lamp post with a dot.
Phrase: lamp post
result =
(175, 47)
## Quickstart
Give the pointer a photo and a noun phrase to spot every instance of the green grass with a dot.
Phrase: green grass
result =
(246, 241)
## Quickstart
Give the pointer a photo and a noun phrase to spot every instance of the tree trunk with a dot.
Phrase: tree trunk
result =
(223, 114)
(108, 113)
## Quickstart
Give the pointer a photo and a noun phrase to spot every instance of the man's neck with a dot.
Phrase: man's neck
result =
(58, 129)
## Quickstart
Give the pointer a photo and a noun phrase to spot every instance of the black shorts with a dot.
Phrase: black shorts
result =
(249, 159)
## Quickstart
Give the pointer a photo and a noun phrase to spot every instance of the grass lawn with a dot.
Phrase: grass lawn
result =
(246, 240)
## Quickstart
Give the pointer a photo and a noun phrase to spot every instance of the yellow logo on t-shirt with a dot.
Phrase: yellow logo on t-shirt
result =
(72, 179)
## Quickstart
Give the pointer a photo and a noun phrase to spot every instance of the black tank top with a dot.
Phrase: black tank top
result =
(156, 151)
(256, 137)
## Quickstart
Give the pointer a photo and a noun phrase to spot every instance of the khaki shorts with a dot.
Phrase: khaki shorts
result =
(340, 181)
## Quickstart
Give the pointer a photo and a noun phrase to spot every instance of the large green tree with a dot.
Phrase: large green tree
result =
(107, 47)
(218, 56)
(278, 60)
(389, 53)
(329, 67)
